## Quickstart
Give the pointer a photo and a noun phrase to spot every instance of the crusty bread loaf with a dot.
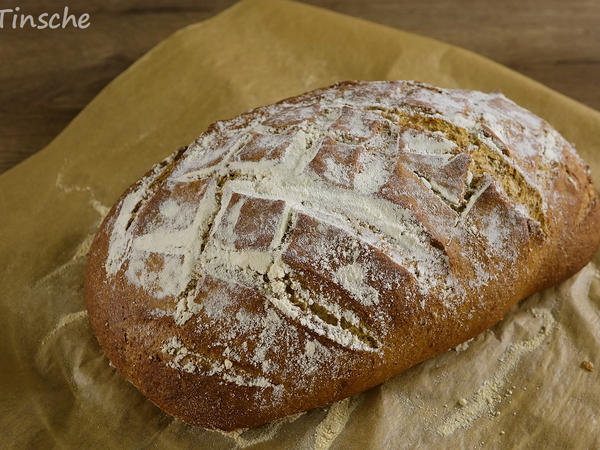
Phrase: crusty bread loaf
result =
(305, 251)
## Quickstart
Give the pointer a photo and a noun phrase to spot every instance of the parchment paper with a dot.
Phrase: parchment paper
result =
(520, 384)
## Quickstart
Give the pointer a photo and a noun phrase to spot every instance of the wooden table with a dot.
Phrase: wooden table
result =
(48, 76)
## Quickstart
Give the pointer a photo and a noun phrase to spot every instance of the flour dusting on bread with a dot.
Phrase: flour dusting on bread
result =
(309, 249)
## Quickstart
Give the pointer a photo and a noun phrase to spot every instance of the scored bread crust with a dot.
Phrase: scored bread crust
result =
(308, 250)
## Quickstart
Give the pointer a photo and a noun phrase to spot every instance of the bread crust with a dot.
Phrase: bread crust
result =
(308, 250)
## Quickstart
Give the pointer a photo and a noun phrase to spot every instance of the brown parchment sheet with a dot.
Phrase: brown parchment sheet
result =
(518, 385)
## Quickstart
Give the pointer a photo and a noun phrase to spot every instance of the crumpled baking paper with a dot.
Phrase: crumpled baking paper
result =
(518, 385)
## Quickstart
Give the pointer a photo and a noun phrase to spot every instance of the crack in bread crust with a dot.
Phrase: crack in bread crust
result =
(484, 160)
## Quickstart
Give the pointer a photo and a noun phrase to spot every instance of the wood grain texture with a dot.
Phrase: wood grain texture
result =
(48, 76)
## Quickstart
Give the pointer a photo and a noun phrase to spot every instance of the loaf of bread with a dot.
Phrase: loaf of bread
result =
(308, 250)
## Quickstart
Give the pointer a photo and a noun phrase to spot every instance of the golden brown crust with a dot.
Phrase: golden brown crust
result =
(305, 251)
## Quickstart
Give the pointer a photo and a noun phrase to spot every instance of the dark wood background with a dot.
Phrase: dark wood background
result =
(48, 76)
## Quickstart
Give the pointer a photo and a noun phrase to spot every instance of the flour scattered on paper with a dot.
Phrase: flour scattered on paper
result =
(81, 251)
(64, 321)
(96, 205)
(253, 436)
(333, 424)
(489, 394)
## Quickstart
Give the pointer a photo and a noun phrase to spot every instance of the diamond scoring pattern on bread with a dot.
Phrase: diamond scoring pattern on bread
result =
(307, 250)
